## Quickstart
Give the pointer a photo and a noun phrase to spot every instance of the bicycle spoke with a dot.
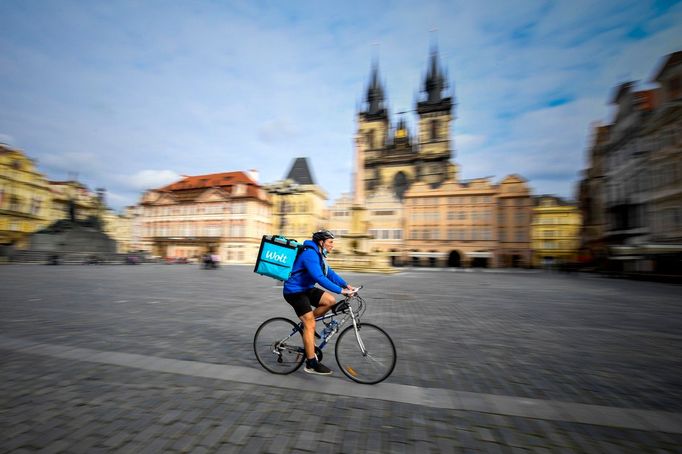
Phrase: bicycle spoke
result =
(375, 364)
(279, 346)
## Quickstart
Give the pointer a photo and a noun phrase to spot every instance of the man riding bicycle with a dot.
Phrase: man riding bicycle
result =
(311, 268)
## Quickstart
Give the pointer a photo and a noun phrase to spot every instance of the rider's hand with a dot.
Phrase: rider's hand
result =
(348, 291)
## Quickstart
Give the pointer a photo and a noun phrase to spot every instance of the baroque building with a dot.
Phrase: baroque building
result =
(25, 198)
(555, 232)
(223, 213)
(591, 199)
(632, 190)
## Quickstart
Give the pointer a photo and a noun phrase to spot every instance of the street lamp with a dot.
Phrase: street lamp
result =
(283, 189)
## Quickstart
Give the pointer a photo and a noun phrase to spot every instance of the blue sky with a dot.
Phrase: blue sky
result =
(131, 95)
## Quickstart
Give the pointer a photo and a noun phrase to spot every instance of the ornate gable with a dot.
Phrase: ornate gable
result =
(212, 195)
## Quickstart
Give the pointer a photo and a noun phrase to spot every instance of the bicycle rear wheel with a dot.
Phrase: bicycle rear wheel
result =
(373, 366)
(278, 345)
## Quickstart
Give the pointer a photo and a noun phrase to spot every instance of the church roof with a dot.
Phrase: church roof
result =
(300, 172)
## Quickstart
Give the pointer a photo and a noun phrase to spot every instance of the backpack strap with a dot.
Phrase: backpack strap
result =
(301, 250)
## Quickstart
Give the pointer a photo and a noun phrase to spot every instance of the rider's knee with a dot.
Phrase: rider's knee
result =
(327, 300)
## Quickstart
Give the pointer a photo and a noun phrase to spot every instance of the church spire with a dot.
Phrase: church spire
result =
(375, 95)
(435, 81)
(436, 98)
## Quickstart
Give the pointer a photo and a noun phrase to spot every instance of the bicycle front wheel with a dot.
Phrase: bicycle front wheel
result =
(278, 345)
(372, 365)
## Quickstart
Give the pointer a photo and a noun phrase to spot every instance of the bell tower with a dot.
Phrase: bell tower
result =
(373, 129)
(435, 116)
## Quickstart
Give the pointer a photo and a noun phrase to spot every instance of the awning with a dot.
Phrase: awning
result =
(645, 249)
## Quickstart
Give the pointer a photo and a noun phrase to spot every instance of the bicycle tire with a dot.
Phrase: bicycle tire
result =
(283, 360)
(369, 369)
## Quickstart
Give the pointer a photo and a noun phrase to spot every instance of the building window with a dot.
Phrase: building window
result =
(434, 129)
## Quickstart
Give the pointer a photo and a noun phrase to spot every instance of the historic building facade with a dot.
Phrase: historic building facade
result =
(25, 198)
(223, 213)
(298, 203)
(514, 217)
(418, 211)
(474, 223)
(632, 190)
(555, 232)
(663, 197)
(591, 200)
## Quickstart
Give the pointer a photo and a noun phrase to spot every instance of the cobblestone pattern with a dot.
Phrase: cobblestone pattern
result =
(547, 336)
(53, 405)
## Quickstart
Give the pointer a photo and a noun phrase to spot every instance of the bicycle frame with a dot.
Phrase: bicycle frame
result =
(354, 315)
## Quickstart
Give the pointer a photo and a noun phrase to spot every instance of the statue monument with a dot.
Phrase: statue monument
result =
(78, 239)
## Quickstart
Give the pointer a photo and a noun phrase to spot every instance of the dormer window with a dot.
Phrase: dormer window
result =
(239, 189)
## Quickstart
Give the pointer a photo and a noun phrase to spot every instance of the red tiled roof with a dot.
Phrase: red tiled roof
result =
(224, 180)
(191, 187)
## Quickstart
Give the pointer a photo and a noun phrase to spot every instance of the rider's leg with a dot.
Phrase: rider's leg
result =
(308, 320)
(326, 302)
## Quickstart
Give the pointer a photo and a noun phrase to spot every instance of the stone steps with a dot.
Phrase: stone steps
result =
(67, 257)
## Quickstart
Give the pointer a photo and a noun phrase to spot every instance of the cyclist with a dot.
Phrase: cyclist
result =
(311, 268)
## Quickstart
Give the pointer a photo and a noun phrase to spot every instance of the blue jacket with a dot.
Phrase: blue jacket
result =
(308, 271)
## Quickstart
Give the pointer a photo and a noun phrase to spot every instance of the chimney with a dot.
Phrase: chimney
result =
(253, 174)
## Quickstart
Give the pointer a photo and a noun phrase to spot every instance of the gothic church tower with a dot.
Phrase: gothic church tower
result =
(391, 158)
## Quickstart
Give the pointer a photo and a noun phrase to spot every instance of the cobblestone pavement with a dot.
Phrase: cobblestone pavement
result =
(576, 340)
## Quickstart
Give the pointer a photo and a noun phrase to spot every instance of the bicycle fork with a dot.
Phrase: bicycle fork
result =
(356, 328)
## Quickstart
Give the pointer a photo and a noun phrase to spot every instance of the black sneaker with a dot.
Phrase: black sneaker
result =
(319, 369)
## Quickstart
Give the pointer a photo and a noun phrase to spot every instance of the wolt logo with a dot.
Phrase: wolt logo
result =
(272, 255)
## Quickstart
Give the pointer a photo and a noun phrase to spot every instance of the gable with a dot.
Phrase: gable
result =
(212, 195)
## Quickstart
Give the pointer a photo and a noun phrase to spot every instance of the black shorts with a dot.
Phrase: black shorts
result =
(303, 302)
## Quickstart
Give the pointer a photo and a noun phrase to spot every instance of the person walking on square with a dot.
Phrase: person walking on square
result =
(299, 291)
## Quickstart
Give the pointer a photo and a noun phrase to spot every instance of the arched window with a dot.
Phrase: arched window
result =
(400, 184)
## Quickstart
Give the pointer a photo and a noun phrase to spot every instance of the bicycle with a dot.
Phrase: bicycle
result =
(364, 352)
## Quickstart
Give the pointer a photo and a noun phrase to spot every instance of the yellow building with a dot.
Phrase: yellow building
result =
(24, 198)
(119, 228)
(555, 231)
(298, 204)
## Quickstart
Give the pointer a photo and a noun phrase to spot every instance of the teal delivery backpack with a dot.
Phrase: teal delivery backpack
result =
(276, 257)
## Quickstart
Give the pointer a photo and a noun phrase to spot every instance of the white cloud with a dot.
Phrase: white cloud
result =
(278, 130)
(7, 139)
(467, 141)
(107, 89)
(150, 179)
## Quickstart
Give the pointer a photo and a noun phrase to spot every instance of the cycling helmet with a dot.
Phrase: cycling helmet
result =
(322, 235)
